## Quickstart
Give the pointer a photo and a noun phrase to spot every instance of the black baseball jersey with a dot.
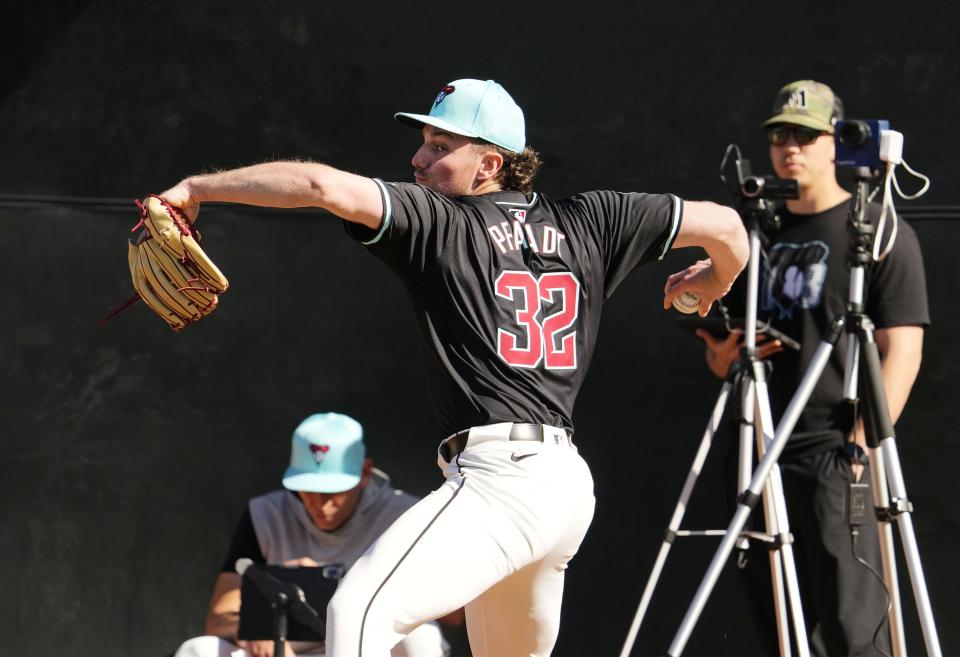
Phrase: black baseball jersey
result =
(804, 285)
(507, 289)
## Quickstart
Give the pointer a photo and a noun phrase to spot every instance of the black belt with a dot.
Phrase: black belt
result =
(458, 441)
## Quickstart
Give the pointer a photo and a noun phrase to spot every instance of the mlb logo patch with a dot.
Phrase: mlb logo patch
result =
(519, 215)
(319, 451)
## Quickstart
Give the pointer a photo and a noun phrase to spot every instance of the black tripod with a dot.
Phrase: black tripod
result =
(884, 459)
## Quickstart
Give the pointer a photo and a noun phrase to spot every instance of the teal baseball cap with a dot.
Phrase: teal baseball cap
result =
(326, 455)
(474, 108)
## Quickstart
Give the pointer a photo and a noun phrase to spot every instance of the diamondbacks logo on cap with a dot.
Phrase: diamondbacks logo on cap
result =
(319, 451)
(797, 100)
(446, 91)
(520, 215)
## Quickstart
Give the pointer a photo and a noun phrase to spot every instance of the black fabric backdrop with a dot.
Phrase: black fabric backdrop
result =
(128, 451)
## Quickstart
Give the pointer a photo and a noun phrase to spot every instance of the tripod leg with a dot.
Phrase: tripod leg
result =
(780, 527)
(776, 565)
(749, 499)
(910, 549)
(677, 517)
(748, 430)
(881, 500)
(900, 508)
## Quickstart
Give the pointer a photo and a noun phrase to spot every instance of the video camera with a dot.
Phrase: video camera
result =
(869, 152)
(753, 194)
(738, 176)
(867, 144)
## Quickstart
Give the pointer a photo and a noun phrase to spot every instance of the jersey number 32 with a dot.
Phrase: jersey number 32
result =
(539, 338)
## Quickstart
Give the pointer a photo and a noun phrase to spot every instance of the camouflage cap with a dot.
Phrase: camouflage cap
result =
(807, 103)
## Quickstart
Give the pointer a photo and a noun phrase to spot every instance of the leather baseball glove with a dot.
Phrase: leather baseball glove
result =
(170, 271)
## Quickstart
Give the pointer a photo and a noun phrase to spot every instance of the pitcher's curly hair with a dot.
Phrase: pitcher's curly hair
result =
(519, 169)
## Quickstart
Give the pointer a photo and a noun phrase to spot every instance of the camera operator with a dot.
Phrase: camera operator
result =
(804, 284)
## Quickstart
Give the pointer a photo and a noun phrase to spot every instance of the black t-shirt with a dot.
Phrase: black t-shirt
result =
(244, 544)
(507, 290)
(804, 285)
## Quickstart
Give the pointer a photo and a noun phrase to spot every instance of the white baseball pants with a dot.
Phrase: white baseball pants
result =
(495, 538)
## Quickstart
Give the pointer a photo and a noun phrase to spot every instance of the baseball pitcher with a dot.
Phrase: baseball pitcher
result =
(507, 286)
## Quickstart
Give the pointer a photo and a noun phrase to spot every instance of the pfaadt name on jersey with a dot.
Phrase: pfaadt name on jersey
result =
(517, 235)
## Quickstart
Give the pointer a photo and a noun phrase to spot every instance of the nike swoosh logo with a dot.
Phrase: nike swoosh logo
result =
(519, 457)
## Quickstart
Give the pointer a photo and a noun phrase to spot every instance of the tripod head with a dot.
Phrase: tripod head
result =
(754, 196)
(862, 233)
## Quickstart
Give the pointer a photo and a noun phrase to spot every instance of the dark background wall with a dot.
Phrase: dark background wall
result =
(128, 451)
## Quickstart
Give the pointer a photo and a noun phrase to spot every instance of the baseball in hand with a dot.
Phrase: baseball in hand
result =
(687, 302)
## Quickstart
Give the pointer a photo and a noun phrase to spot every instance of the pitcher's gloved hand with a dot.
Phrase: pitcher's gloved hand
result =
(170, 271)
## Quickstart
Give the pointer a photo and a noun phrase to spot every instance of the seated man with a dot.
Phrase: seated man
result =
(335, 504)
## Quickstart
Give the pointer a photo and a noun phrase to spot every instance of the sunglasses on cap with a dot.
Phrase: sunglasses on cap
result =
(778, 135)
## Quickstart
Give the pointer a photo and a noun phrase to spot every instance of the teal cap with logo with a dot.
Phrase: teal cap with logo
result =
(326, 455)
(807, 103)
(475, 108)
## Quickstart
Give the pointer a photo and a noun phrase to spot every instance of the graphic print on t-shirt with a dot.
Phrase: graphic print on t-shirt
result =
(794, 277)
